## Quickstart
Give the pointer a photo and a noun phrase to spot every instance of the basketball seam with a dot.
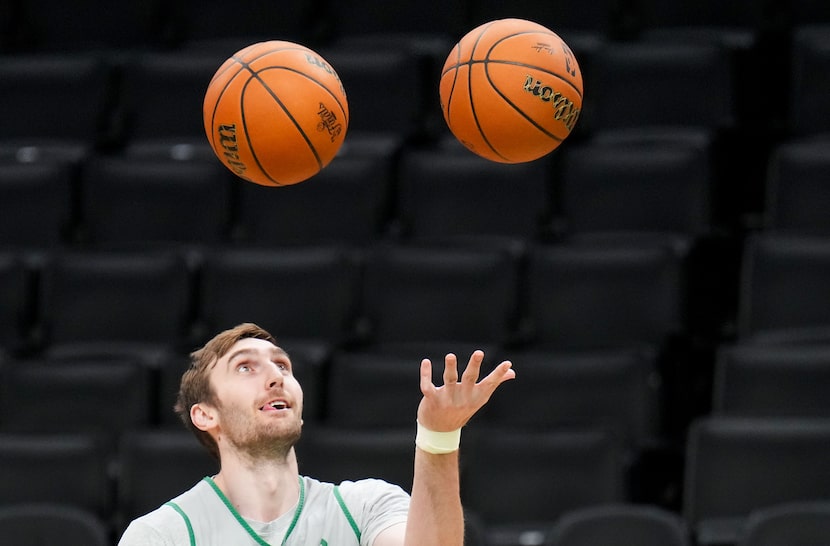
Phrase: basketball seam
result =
(212, 135)
(286, 111)
(246, 64)
(470, 92)
(448, 116)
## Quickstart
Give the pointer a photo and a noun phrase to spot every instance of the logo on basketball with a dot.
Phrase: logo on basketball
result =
(564, 109)
(329, 122)
(230, 148)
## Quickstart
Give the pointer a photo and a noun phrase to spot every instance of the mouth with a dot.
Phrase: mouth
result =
(276, 405)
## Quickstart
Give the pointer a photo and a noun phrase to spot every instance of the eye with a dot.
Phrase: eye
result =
(244, 367)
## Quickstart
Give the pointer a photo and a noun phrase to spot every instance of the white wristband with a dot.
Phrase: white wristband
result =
(438, 443)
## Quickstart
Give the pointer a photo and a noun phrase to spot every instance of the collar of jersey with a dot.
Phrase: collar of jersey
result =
(244, 523)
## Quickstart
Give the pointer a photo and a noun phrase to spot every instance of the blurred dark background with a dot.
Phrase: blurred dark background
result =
(661, 281)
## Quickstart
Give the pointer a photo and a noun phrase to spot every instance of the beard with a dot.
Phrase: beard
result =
(271, 441)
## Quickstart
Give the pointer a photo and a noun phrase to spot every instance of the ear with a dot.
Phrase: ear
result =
(203, 416)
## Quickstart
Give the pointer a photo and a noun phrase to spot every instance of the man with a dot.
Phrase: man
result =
(242, 401)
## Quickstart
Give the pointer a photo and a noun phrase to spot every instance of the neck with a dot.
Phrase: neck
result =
(261, 490)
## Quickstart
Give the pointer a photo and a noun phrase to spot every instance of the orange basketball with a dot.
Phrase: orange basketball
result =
(275, 113)
(511, 90)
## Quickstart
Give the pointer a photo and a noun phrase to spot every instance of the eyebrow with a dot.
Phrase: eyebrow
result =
(247, 352)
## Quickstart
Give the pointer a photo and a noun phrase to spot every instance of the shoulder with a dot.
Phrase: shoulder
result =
(374, 498)
(358, 494)
(161, 526)
(371, 488)
(165, 525)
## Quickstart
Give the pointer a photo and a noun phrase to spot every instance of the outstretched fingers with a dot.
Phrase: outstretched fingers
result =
(451, 405)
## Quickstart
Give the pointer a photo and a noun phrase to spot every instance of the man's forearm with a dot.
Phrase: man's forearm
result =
(435, 514)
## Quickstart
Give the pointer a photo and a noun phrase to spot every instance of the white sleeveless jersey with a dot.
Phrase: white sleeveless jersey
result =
(349, 514)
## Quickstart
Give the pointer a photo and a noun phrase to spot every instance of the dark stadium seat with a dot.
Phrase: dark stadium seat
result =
(734, 23)
(771, 380)
(36, 92)
(213, 25)
(520, 482)
(116, 302)
(459, 296)
(52, 523)
(160, 200)
(103, 396)
(640, 84)
(809, 110)
(803, 523)
(595, 296)
(446, 194)
(784, 292)
(620, 525)
(298, 294)
(160, 103)
(388, 384)
(93, 25)
(55, 468)
(735, 466)
(636, 187)
(796, 186)
(615, 389)
(36, 204)
(348, 202)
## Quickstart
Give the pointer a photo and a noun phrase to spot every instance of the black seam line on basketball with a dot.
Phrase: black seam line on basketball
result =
(253, 72)
(248, 137)
(472, 104)
(309, 78)
(255, 75)
(524, 65)
(512, 104)
(213, 134)
(525, 32)
(452, 89)
(247, 66)
(290, 116)
(499, 61)
(290, 47)
(518, 110)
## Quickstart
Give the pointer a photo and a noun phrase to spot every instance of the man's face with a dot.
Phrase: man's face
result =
(260, 402)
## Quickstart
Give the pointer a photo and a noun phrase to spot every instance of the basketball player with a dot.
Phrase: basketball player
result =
(241, 399)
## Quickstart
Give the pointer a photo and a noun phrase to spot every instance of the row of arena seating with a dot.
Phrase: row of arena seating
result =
(44, 24)
(378, 191)
(141, 96)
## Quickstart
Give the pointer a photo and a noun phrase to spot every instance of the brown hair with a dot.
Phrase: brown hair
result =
(195, 385)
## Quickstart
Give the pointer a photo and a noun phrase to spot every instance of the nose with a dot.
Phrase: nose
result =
(274, 376)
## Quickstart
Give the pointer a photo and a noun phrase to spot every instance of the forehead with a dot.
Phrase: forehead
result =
(249, 346)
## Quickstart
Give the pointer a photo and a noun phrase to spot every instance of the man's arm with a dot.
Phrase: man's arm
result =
(435, 515)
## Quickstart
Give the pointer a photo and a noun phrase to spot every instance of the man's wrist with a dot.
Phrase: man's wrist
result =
(437, 443)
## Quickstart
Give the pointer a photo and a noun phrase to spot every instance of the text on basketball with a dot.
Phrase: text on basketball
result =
(230, 148)
(329, 122)
(564, 109)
